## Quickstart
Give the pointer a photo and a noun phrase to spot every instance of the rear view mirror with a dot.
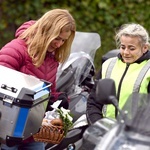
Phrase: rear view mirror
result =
(106, 91)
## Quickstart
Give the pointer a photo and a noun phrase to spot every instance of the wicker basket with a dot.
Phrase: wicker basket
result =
(50, 134)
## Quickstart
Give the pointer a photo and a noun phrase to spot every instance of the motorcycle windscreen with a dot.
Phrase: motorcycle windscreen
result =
(85, 45)
(87, 42)
(72, 74)
(84, 67)
(137, 113)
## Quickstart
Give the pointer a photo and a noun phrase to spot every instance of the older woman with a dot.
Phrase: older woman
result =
(130, 70)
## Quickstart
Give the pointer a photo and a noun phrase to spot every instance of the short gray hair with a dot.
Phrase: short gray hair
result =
(133, 30)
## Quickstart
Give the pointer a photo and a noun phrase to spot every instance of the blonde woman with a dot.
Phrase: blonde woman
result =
(38, 48)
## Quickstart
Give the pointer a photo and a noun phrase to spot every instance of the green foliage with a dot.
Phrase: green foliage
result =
(66, 118)
(103, 17)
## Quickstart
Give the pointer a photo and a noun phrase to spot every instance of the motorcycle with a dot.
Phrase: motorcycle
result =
(110, 54)
(75, 78)
(130, 130)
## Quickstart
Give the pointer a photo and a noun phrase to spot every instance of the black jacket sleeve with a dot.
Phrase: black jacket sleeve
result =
(94, 109)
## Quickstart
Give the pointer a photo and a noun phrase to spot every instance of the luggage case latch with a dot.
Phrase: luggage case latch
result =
(8, 100)
(12, 89)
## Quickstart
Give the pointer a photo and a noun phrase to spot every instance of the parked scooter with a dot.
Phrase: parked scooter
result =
(75, 78)
(130, 131)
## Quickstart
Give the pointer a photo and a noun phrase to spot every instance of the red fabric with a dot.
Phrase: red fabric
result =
(23, 27)
(14, 55)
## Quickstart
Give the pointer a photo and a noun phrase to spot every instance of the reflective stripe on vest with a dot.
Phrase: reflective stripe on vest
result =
(107, 75)
(110, 67)
(140, 77)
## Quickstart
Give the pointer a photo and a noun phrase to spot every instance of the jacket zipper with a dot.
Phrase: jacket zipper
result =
(119, 87)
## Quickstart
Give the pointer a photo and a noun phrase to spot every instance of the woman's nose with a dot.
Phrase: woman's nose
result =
(59, 43)
(126, 51)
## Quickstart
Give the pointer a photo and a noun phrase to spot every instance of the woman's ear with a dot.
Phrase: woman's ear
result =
(145, 48)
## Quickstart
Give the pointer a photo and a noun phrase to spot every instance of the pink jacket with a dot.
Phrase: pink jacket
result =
(14, 55)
